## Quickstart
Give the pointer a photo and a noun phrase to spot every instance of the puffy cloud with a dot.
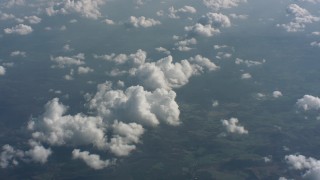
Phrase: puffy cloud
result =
(5, 16)
(142, 22)
(84, 70)
(86, 8)
(18, 53)
(9, 156)
(246, 76)
(166, 74)
(222, 4)
(164, 50)
(232, 126)
(308, 102)
(92, 160)
(311, 166)
(137, 58)
(183, 45)
(276, 94)
(11, 3)
(38, 153)
(33, 19)
(126, 135)
(137, 105)
(301, 17)
(209, 24)
(109, 21)
(20, 29)
(63, 61)
(2, 71)
(249, 63)
(177, 13)
(238, 16)
(55, 128)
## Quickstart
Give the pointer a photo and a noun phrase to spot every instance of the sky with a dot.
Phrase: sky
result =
(145, 89)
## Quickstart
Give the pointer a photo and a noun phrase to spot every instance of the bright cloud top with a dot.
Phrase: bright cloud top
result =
(232, 126)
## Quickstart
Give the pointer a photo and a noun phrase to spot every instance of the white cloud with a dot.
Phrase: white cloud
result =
(137, 105)
(18, 53)
(182, 12)
(232, 126)
(5, 16)
(309, 102)
(20, 29)
(249, 63)
(209, 24)
(86, 8)
(38, 153)
(164, 50)
(238, 16)
(124, 138)
(33, 19)
(166, 74)
(246, 76)
(11, 3)
(2, 71)
(310, 166)
(301, 17)
(135, 59)
(63, 61)
(9, 156)
(183, 45)
(222, 4)
(55, 128)
(109, 21)
(142, 22)
(276, 94)
(92, 160)
(84, 70)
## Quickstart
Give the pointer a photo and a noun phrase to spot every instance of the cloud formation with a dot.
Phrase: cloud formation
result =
(222, 4)
(209, 24)
(92, 160)
(232, 126)
(142, 22)
(301, 17)
(309, 102)
(20, 29)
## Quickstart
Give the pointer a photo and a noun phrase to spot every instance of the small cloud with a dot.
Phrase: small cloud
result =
(232, 126)
(20, 29)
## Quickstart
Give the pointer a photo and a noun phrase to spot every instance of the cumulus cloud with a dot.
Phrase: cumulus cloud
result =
(182, 12)
(84, 70)
(222, 4)
(18, 53)
(11, 3)
(276, 94)
(209, 24)
(124, 138)
(249, 63)
(166, 74)
(136, 104)
(86, 8)
(164, 50)
(246, 76)
(308, 102)
(232, 126)
(92, 160)
(55, 128)
(183, 45)
(20, 29)
(9, 156)
(2, 71)
(33, 19)
(38, 153)
(310, 166)
(301, 17)
(142, 22)
(63, 61)
(134, 59)
(6, 16)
